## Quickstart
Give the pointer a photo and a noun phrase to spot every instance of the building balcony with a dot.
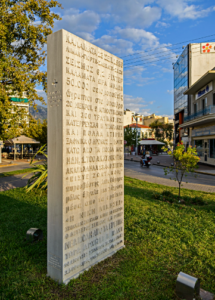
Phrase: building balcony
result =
(200, 113)
(200, 117)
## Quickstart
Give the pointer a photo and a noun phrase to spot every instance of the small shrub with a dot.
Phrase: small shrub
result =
(156, 195)
(167, 193)
(198, 201)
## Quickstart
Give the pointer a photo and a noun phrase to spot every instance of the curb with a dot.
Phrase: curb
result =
(8, 165)
(204, 173)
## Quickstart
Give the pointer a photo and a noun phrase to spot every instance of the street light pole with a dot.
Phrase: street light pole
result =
(136, 137)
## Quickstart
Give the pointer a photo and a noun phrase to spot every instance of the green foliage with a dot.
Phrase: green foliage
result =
(184, 162)
(163, 132)
(24, 26)
(130, 136)
(37, 130)
(39, 180)
(161, 239)
(156, 128)
(167, 132)
(8, 174)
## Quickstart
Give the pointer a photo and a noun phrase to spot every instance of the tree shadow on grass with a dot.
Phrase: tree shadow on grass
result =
(166, 195)
(18, 213)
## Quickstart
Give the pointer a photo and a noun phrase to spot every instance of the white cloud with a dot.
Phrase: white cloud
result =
(170, 92)
(114, 45)
(81, 23)
(139, 36)
(167, 70)
(162, 24)
(128, 12)
(181, 9)
(134, 75)
(136, 104)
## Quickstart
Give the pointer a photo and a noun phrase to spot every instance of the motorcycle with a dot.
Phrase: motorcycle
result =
(146, 162)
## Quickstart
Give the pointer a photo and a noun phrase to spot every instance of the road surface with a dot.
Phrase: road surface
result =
(156, 174)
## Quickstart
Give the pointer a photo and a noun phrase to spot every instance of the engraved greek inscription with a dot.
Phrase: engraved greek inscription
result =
(72, 150)
(72, 160)
(85, 115)
(70, 132)
(72, 198)
(77, 64)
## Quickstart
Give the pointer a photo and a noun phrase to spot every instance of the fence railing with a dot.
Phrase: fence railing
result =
(200, 113)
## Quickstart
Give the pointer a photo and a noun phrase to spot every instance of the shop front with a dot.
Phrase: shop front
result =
(203, 138)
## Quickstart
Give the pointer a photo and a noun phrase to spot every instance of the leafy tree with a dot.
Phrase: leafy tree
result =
(37, 130)
(145, 135)
(184, 162)
(130, 136)
(167, 131)
(163, 132)
(156, 128)
(24, 26)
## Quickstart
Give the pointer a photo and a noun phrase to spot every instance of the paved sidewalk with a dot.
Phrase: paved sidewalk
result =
(12, 182)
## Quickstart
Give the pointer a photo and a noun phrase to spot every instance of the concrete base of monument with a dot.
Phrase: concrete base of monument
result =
(87, 268)
(90, 266)
(206, 295)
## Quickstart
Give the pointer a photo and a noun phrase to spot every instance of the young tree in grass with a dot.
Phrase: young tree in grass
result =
(184, 162)
(24, 26)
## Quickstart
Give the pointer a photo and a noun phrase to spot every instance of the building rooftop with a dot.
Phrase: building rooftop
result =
(138, 126)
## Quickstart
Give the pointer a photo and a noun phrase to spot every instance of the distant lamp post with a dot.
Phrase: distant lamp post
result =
(136, 119)
(1, 145)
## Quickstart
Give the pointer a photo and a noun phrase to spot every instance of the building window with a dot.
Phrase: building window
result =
(199, 147)
(195, 108)
(212, 148)
(214, 99)
(203, 104)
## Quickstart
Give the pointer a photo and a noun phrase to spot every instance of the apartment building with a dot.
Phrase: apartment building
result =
(199, 125)
(195, 60)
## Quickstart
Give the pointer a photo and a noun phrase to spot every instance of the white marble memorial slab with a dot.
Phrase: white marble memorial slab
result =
(85, 155)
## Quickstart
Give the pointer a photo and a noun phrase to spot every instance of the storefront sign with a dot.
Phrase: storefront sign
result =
(207, 48)
(210, 130)
(206, 89)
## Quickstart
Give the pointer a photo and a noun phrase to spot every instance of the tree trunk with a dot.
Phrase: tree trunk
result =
(179, 194)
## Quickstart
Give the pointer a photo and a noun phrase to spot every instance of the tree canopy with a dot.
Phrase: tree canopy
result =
(24, 27)
(130, 136)
(163, 132)
(36, 130)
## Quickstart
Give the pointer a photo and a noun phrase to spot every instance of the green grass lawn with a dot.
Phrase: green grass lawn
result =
(162, 238)
(11, 173)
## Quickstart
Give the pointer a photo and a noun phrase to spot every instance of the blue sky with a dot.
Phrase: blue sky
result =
(126, 27)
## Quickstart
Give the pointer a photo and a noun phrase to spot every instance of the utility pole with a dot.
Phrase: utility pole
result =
(1, 144)
(136, 136)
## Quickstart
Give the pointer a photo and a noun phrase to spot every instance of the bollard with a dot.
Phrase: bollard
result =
(187, 287)
(34, 234)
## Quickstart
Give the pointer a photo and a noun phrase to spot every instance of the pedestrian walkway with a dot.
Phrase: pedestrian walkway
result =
(12, 182)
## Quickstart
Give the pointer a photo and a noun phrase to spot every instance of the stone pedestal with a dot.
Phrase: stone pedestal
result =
(85, 155)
